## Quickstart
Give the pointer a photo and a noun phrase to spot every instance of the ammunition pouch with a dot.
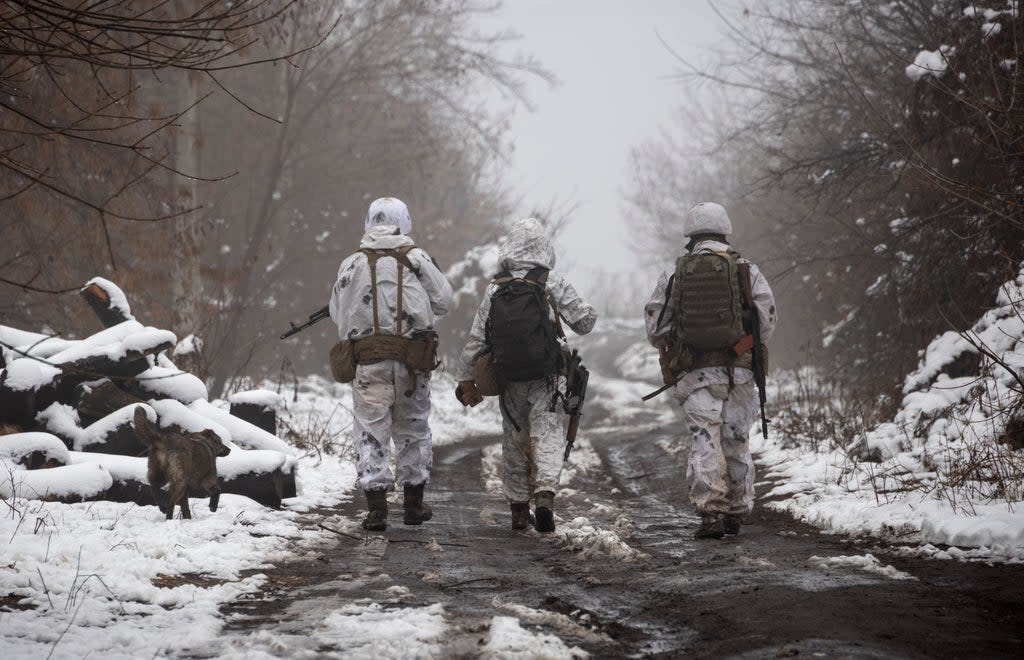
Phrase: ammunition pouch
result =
(343, 361)
(484, 375)
(418, 354)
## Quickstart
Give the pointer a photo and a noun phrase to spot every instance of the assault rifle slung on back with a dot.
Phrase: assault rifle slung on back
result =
(318, 315)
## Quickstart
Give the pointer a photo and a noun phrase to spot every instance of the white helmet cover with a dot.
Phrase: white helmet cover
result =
(389, 211)
(707, 218)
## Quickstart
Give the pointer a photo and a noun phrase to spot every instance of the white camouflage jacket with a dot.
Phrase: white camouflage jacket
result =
(526, 248)
(659, 333)
(426, 294)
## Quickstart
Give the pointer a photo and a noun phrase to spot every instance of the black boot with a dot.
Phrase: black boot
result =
(732, 524)
(377, 515)
(545, 501)
(711, 527)
(416, 512)
(520, 515)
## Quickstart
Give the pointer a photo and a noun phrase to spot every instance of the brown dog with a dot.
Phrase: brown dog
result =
(182, 460)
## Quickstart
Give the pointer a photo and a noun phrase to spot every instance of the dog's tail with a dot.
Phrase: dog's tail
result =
(144, 430)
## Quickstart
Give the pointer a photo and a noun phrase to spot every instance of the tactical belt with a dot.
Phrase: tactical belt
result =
(418, 354)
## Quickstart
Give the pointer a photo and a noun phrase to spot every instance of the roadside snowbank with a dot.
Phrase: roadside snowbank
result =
(939, 473)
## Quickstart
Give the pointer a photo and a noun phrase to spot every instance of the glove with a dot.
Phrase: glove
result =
(467, 394)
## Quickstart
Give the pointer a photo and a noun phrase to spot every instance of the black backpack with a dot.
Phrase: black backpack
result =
(521, 333)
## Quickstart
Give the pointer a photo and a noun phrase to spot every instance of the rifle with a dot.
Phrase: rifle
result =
(758, 347)
(318, 315)
(576, 378)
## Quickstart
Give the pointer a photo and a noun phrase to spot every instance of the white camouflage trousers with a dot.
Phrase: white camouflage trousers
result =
(532, 456)
(387, 407)
(721, 470)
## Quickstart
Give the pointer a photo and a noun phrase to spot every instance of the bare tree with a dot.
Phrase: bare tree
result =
(98, 136)
(385, 107)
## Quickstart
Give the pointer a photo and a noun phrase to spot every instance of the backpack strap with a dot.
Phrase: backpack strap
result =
(401, 255)
(539, 276)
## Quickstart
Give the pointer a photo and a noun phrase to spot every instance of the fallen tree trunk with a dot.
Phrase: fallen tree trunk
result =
(107, 301)
(95, 367)
(94, 402)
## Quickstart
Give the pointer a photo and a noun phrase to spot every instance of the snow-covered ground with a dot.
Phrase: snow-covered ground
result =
(937, 475)
(106, 579)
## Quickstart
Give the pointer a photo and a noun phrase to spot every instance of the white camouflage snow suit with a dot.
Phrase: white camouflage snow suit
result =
(531, 456)
(721, 470)
(388, 402)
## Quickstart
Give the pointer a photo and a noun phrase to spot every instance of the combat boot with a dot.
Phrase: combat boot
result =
(711, 527)
(732, 524)
(416, 512)
(520, 515)
(377, 515)
(545, 501)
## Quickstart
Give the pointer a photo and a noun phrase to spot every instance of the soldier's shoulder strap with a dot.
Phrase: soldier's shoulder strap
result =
(399, 254)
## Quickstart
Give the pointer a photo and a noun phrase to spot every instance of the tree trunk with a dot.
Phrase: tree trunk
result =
(187, 230)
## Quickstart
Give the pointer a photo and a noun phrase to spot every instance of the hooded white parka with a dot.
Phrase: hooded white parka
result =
(535, 448)
(388, 403)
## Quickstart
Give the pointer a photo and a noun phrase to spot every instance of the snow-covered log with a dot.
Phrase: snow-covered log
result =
(113, 434)
(258, 407)
(95, 401)
(26, 386)
(242, 432)
(262, 476)
(70, 483)
(166, 381)
(107, 301)
(33, 450)
(16, 343)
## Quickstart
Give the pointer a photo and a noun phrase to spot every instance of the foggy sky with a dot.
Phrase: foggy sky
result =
(613, 94)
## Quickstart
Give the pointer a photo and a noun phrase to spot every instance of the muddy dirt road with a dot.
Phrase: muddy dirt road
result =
(622, 576)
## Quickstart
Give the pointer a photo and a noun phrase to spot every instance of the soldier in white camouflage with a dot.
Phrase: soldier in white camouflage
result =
(718, 395)
(390, 401)
(534, 430)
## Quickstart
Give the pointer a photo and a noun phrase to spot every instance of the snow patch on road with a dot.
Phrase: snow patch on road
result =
(561, 623)
(583, 536)
(510, 641)
(358, 631)
(868, 563)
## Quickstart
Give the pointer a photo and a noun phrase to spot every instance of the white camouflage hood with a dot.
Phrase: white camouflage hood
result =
(526, 246)
(384, 237)
(389, 211)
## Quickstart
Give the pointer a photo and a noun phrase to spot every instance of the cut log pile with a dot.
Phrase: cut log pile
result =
(67, 406)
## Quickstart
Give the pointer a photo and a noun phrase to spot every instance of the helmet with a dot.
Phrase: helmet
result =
(707, 218)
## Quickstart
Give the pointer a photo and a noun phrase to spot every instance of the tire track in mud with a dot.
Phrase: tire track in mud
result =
(622, 577)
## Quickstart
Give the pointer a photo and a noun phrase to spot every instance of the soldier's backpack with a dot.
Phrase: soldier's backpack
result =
(520, 331)
(706, 301)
